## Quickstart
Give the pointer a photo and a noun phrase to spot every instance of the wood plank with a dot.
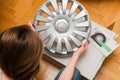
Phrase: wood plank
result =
(104, 12)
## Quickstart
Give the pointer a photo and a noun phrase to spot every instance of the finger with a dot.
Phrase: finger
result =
(86, 42)
(85, 45)
(30, 22)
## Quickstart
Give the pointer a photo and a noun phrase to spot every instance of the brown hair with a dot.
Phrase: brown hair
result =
(20, 52)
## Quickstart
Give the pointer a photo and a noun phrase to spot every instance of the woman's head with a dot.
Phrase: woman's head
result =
(20, 52)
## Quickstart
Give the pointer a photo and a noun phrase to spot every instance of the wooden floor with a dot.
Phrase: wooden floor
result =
(104, 12)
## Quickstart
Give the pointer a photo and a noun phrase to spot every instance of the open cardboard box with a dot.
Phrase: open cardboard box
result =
(91, 61)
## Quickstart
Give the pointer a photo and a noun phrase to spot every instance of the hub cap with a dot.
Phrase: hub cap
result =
(63, 25)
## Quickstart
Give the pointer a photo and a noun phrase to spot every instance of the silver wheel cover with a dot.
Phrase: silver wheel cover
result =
(63, 29)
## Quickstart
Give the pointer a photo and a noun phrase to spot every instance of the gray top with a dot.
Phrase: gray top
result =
(0, 74)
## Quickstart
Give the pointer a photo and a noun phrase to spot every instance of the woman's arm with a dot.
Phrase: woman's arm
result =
(68, 72)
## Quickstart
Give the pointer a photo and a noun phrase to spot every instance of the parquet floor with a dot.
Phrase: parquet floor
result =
(104, 12)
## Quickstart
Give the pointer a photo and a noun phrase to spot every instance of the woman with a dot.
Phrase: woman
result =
(21, 51)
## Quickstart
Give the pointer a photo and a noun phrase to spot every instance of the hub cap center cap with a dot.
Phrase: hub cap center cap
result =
(62, 26)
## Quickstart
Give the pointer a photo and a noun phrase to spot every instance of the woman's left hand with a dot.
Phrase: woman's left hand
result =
(31, 24)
